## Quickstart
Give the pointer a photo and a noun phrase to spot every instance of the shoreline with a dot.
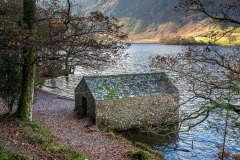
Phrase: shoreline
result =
(183, 44)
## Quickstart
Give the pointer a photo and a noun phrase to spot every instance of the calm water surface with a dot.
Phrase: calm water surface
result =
(202, 142)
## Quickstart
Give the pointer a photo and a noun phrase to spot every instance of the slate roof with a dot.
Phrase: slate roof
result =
(129, 85)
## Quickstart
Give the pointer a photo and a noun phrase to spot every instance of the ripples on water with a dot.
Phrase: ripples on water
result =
(199, 143)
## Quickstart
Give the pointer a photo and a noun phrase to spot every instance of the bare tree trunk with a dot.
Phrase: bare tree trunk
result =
(225, 135)
(27, 92)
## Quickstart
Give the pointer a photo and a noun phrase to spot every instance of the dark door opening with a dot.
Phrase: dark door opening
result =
(84, 106)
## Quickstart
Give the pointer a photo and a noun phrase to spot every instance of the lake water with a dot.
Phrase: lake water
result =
(202, 142)
(138, 59)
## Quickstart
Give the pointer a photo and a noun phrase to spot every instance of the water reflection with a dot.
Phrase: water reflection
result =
(200, 143)
(150, 138)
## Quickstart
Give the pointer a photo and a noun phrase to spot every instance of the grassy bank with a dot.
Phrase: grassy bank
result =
(24, 137)
(41, 135)
(143, 152)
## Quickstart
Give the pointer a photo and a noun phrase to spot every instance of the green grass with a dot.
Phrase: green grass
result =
(140, 155)
(9, 155)
(41, 135)
(220, 41)
(228, 39)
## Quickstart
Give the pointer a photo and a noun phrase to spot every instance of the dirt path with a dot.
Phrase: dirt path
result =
(58, 115)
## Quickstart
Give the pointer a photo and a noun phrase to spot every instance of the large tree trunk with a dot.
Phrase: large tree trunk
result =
(27, 93)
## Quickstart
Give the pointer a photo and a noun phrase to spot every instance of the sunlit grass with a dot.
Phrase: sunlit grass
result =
(219, 40)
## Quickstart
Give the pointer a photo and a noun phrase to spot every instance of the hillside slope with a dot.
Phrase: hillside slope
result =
(139, 15)
(156, 21)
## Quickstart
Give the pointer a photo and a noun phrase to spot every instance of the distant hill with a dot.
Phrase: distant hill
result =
(155, 20)
(139, 15)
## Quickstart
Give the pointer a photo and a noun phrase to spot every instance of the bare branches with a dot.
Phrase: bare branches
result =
(63, 34)
(223, 11)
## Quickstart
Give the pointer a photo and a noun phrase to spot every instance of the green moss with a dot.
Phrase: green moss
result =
(9, 155)
(100, 88)
(142, 148)
(41, 135)
(112, 92)
(140, 155)
(148, 148)
(71, 154)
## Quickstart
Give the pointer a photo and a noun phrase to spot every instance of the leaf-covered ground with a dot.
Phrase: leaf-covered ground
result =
(58, 115)
(66, 136)
(22, 141)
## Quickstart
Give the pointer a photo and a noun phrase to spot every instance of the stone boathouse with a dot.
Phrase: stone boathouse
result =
(117, 102)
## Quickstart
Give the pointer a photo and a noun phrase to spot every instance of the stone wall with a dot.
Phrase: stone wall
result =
(135, 112)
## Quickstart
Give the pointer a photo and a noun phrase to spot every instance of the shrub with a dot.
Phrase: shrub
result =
(10, 79)
(141, 155)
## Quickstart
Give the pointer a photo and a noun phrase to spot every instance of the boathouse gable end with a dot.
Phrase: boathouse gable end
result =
(84, 101)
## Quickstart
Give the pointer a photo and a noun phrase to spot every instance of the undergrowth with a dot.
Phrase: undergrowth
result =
(140, 155)
(149, 149)
(9, 155)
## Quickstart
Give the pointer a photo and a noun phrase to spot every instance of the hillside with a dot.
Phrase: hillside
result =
(156, 21)
(138, 15)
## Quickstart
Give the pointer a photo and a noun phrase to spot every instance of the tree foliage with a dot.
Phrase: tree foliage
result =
(79, 39)
(10, 79)
(56, 33)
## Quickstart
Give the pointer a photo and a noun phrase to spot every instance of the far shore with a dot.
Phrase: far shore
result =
(169, 42)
